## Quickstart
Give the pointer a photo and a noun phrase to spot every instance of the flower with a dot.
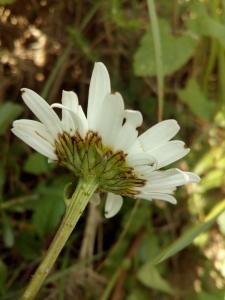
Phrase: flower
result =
(105, 144)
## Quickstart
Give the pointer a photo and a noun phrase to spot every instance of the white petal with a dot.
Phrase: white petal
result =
(133, 117)
(162, 181)
(135, 148)
(42, 110)
(36, 127)
(126, 137)
(192, 178)
(159, 134)
(32, 139)
(75, 120)
(84, 123)
(158, 175)
(69, 124)
(166, 176)
(169, 152)
(158, 196)
(154, 189)
(175, 180)
(69, 100)
(141, 159)
(113, 205)
(99, 88)
(110, 118)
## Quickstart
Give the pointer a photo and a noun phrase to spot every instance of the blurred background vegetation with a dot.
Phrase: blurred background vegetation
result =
(51, 45)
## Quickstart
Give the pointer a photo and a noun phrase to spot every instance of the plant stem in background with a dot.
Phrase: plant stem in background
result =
(55, 70)
(211, 64)
(158, 56)
(66, 53)
(10, 204)
(74, 210)
(123, 266)
(221, 64)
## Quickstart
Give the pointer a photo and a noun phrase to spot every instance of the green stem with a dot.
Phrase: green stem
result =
(158, 56)
(61, 60)
(75, 208)
(124, 266)
(211, 63)
(221, 60)
(214, 49)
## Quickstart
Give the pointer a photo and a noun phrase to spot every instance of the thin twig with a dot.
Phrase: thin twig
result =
(88, 242)
(17, 201)
(124, 231)
(117, 280)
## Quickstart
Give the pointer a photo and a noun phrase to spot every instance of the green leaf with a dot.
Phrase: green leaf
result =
(5, 2)
(215, 295)
(3, 275)
(8, 234)
(50, 208)
(2, 180)
(176, 51)
(138, 294)
(204, 25)
(28, 245)
(36, 164)
(118, 17)
(149, 247)
(213, 179)
(190, 234)
(196, 101)
(8, 112)
(206, 162)
(149, 276)
(221, 223)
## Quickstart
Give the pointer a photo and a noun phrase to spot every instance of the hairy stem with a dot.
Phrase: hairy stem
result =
(75, 208)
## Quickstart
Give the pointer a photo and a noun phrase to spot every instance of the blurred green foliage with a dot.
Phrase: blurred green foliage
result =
(139, 254)
(176, 51)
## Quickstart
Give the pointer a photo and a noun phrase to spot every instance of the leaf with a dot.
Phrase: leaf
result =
(196, 101)
(5, 2)
(221, 223)
(149, 247)
(220, 117)
(2, 180)
(50, 208)
(8, 112)
(176, 51)
(118, 17)
(190, 234)
(3, 275)
(206, 162)
(149, 276)
(138, 294)
(8, 234)
(204, 25)
(28, 245)
(213, 179)
(215, 295)
(36, 164)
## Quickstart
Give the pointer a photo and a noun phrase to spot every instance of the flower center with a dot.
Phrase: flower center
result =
(88, 156)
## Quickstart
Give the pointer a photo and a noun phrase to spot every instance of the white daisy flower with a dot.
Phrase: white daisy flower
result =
(105, 144)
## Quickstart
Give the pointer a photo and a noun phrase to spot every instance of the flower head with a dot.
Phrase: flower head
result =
(105, 144)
